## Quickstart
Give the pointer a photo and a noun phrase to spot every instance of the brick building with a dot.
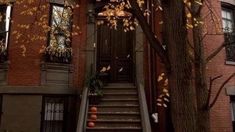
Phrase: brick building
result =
(40, 93)
(223, 64)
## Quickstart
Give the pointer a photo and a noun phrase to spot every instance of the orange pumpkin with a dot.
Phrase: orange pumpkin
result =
(93, 109)
(91, 124)
(93, 117)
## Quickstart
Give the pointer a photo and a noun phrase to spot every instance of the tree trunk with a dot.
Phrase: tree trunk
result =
(203, 117)
(183, 107)
(183, 110)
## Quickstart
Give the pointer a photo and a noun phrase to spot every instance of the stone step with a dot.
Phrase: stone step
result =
(119, 102)
(119, 90)
(116, 115)
(116, 123)
(119, 99)
(120, 85)
(114, 129)
(129, 95)
(117, 108)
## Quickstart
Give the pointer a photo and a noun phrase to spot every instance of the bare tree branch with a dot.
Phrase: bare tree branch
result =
(213, 54)
(198, 11)
(210, 87)
(220, 89)
(153, 41)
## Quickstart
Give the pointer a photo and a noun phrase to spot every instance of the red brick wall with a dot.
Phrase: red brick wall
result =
(220, 113)
(79, 44)
(25, 70)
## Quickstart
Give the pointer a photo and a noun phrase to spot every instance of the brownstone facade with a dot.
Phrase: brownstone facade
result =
(27, 80)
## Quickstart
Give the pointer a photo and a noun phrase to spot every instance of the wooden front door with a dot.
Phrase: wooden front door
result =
(115, 50)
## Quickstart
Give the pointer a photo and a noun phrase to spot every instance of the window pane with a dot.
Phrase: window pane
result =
(54, 114)
(229, 15)
(227, 21)
(224, 24)
(223, 14)
(57, 15)
(61, 17)
(5, 13)
(230, 26)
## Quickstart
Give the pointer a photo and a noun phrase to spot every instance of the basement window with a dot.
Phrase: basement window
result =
(54, 114)
(229, 32)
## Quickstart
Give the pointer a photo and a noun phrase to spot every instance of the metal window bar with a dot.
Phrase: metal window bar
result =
(54, 114)
(230, 46)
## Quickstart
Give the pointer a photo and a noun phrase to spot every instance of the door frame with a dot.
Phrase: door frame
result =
(133, 60)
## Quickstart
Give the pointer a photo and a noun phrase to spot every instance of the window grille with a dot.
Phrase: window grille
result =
(54, 114)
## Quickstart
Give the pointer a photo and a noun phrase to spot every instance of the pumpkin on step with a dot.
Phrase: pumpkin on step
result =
(91, 124)
(93, 109)
(93, 117)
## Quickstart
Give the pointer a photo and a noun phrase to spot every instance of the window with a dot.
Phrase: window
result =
(227, 20)
(5, 14)
(233, 111)
(54, 114)
(228, 28)
(59, 48)
(61, 26)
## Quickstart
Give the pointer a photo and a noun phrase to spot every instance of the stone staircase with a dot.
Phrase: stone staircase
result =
(118, 111)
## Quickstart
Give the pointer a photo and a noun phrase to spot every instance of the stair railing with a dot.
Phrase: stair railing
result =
(144, 110)
(82, 118)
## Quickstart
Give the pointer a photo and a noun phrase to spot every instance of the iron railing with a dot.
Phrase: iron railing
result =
(82, 118)
(144, 110)
(230, 46)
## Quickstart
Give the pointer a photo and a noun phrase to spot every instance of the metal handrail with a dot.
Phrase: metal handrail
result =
(81, 124)
(144, 110)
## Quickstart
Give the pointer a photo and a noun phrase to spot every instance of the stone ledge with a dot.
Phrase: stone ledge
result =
(230, 91)
(37, 90)
(232, 63)
(56, 73)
